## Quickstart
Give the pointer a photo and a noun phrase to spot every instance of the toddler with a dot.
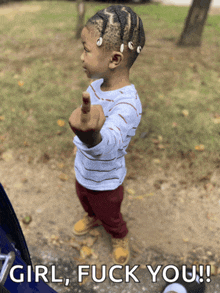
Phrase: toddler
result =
(106, 121)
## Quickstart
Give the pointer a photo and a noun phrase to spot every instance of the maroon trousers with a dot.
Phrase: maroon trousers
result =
(105, 206)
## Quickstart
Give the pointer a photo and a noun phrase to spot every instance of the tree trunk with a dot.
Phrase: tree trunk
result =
(80, 19)
(195, 21)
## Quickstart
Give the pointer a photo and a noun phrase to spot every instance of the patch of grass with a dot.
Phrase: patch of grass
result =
(42, 81)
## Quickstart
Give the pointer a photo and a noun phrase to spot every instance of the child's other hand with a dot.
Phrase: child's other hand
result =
(87, 121)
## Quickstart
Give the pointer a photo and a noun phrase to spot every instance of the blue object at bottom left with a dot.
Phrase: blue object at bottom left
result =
(16, 274)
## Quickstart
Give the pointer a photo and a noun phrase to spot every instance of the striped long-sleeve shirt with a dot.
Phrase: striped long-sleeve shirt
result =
(102, 167)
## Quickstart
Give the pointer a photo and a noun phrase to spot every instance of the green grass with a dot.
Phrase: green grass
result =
(39, 52)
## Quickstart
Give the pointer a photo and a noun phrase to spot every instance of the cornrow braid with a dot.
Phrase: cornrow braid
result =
(133, 24)
(105, 21)
(123, 22)
(139, 34)
(118, 25)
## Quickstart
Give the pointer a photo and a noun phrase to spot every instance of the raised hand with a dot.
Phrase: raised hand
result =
(87, 121)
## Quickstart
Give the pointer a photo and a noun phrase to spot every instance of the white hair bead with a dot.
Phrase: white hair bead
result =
(139, 49)
(99, 41)
(122, 48)
(131, 45)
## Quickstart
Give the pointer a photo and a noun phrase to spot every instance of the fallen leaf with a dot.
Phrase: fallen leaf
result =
(26, 143)
(209, 187)
(95, 233)
(185, 113)
(139, 197)
(200, 147)
(185, 240)
(161, 146)
(63, 177)
(149, 194)
(85, 252)
(60, 122)
(216, 120)
(156, 161)
(174, 124)
(2, 118)
(131, 191)
(95, 255)
(89, 241)
(60, 165)
(7, 156)
(20, 83)
(160, 138)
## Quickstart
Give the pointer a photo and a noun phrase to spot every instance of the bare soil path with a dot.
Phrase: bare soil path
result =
(170, 222)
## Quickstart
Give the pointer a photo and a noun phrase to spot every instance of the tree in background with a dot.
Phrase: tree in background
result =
(80, 20)
(195, 21)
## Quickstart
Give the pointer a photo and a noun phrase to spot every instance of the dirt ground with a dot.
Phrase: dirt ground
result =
(169, 220)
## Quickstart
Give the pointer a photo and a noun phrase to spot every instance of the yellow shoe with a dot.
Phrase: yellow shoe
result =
(85, 225)
(121, 251)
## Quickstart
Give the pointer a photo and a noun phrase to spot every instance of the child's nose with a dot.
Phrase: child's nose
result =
(82, 57)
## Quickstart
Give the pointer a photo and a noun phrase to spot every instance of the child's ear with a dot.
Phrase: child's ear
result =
(116, 59)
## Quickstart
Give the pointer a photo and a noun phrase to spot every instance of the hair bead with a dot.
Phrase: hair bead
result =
(105, 21)
(139, 49)
(122, 48)
(140, 24)
(99, 41)
(131, 45)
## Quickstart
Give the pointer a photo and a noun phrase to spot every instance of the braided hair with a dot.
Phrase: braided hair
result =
(119, 25)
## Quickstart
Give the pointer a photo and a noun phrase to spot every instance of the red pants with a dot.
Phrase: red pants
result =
(105, 206)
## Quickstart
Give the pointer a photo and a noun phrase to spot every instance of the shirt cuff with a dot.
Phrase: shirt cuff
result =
(97, 150)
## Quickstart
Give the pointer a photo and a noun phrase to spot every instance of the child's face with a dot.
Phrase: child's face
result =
(95, 59)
